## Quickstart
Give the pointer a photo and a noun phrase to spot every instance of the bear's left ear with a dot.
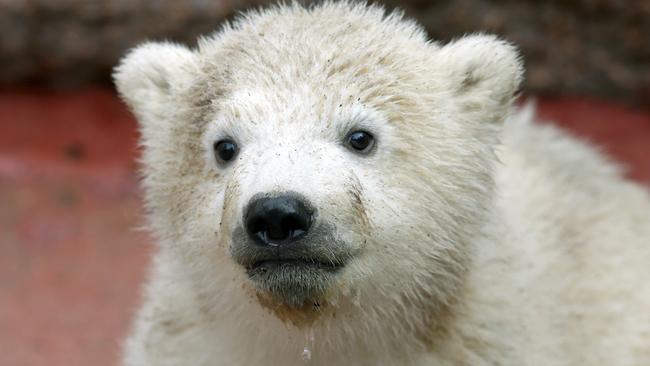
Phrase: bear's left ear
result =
(150, 74)
(483, 70)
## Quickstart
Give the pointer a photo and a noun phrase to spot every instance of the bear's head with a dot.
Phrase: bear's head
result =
(321, 162)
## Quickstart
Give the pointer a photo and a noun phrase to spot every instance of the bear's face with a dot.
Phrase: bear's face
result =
(307, 162)
(299, 188)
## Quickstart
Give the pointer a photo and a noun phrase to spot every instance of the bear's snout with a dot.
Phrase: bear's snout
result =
(278, 221)
(287, 248)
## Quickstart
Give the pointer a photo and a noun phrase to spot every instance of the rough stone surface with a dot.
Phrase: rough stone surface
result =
(596, 47)
(77, 41)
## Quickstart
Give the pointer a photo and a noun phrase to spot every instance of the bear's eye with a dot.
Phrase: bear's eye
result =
(361, 141)
(225, 150)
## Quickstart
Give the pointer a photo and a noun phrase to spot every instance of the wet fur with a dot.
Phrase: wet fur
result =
(472, 235)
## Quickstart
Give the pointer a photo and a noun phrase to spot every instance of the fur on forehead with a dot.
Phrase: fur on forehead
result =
(321, 47)
(324, 47)
(336, 29)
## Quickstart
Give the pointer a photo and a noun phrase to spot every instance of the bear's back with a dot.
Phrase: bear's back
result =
(583, 235)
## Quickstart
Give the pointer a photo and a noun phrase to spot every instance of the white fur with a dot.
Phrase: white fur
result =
(483, 238)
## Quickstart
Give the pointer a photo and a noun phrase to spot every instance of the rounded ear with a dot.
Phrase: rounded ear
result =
(483, 68)
(149, 75)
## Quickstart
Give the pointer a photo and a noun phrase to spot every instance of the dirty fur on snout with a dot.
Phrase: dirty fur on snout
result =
(471, 234)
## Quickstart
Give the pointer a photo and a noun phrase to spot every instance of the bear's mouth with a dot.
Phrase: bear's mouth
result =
(273, 264)
(293, 282)
(293, 274)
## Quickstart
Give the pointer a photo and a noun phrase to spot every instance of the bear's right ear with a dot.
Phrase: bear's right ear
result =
(484, 70)
(150, 74)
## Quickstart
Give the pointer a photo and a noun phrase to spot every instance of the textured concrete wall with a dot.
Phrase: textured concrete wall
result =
(595, 47)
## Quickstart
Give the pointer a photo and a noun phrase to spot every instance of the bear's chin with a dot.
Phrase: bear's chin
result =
(293, 283)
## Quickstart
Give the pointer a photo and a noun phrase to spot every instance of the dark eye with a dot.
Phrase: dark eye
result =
(361, 141)
(225, 150)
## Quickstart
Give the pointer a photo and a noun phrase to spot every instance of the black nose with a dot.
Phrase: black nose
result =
(277, 220)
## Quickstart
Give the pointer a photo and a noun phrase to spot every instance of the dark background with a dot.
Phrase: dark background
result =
(574, 47)
(72, 254)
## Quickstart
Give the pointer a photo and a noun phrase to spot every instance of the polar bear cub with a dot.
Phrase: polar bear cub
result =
(328, 186)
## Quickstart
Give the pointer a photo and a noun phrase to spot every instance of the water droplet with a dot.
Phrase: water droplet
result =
(306, 354)
(309, 344)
